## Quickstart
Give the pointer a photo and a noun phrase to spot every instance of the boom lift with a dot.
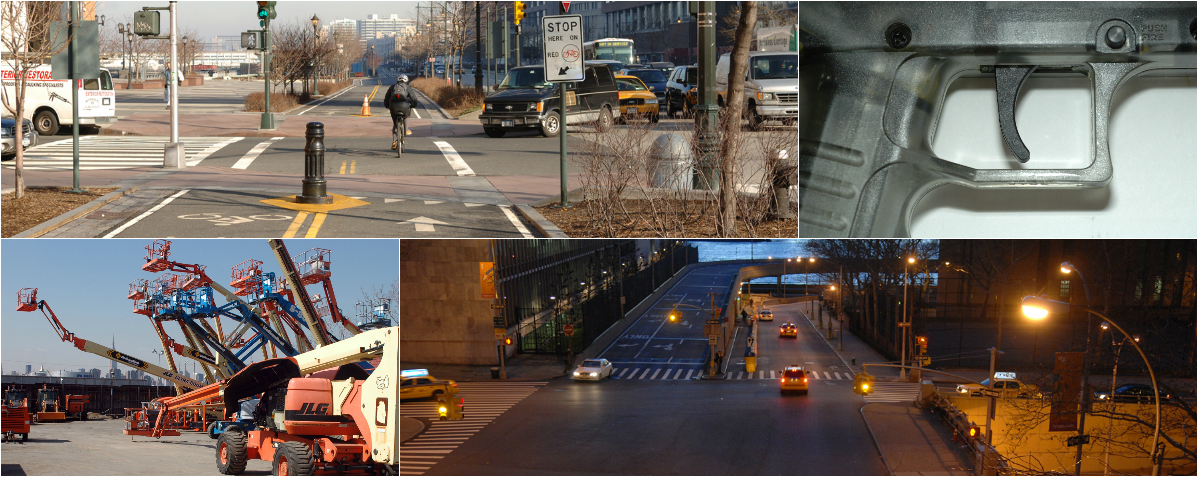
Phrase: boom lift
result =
(27, 302)
(14, 414)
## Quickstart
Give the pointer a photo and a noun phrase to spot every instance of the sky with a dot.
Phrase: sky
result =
(86, 282)
(220, 17)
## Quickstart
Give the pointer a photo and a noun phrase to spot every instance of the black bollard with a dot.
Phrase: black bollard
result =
(312, 190)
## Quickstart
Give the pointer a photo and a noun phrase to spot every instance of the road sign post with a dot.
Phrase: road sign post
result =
(562, 48)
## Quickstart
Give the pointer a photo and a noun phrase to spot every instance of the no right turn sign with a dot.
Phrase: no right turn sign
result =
(563, 47)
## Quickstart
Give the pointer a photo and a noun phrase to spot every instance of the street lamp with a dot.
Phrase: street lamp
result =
(371, 63)
(1038, 308)
(1067, 268)
(315, 21)
(1113, 385)
(129, 39)
(904, 321)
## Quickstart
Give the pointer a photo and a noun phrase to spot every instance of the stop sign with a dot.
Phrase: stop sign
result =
(568, 330)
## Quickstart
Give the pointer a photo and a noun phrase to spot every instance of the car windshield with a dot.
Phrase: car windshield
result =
(590, 364)
(649, 76)
(793, 373)
(774, 66)
(525, 77)
(630, 85)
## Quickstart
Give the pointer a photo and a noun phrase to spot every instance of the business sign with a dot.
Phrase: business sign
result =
(487, 279)
(562, 45)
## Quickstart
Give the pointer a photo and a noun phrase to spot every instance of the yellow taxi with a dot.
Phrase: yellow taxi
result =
(636, 99)
(787, 330)
(793, 379)
(418, 383)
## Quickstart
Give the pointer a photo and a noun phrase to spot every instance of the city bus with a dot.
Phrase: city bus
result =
(615, 49)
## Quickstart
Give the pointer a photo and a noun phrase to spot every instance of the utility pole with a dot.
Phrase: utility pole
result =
(706, 108)
(478, 58)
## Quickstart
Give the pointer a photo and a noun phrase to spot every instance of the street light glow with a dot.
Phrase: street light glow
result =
(1034, 313)
(911, 260)
(1037, 308)
(1066, 267)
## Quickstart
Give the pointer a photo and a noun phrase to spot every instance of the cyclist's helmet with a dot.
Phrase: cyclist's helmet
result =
(402, 79)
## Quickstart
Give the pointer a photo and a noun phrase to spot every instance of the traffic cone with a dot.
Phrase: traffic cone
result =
(366, 108)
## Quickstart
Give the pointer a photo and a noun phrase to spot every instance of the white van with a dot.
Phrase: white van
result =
(772, 87)
(48, 101)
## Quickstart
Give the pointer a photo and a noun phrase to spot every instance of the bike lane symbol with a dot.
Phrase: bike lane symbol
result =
(223, 221)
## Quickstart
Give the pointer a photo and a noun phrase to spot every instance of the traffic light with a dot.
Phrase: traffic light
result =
(674, 316)
(508, 340)
(266, 13)
(973, 432)
(449, 407)
(923, 344)
(518, 12)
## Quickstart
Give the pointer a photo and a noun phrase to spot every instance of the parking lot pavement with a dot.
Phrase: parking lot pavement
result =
(97, 447)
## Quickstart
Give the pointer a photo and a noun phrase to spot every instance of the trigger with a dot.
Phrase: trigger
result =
(1009, 79)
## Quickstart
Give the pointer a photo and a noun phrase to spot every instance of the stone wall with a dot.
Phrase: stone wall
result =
(443, 318)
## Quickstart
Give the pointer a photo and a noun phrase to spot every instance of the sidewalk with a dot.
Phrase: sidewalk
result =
(910, 440)
(518, 368)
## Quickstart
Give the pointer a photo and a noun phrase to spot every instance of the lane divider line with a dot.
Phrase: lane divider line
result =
(145, 214)
(318, 220)
(353, 165)
(322, 102)
(295, 226)
(512, 217)
(342, 171)
(249, 157)
(456, 162)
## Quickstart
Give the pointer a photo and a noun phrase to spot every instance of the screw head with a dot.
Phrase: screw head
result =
(898, 35)
(1115, 38)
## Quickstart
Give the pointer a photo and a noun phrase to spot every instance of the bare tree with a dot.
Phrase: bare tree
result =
(731, 123)
(27, 38)
(773, 14)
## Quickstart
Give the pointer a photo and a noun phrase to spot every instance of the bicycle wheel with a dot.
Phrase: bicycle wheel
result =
(397, 138)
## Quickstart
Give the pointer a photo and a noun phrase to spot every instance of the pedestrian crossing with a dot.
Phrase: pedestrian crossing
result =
(482, 404)
(99, 152)
(695, 372)
(893, 392)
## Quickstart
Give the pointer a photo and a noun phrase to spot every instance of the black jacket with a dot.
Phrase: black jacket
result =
(387, 99)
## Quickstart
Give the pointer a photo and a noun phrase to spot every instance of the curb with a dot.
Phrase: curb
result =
(575, 195)
(53, 223)
(546, 227)
(413, 430)
(875, 440)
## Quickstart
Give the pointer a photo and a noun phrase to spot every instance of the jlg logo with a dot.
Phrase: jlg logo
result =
(314, 409)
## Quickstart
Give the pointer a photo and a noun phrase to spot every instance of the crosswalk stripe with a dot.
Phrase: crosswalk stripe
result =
(655, 373)
(690, 370)
(623, 370)
(106, 153)
(772, 374)
(827, 376)
(677, 374)
(483, 403)
(644, 374)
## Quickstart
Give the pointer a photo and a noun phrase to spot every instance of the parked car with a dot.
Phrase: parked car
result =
(637, 101)
(1132, 393)
(595, 369)
(1007, 388)
(653, 78)
(664, 67)
(30, 136)
(681, 90)
(525, 100)
(420, 384)
(793, 379)
(771, 89)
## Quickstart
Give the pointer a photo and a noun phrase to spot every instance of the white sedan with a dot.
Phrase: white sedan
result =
(593, 369)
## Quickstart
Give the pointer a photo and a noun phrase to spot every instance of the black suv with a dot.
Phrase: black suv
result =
(526, 101)
(681, 90)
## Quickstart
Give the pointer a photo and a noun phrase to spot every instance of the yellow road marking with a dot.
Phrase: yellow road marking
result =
(295, 226)
(318, 220)
(339, 202)
(352, 166)
(373, 92)
(343, 169)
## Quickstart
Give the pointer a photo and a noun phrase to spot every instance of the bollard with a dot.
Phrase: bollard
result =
(671, 162)
(312, 190)
(852, 360)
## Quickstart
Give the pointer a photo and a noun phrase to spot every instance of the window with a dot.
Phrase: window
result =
(589, 79)
(1064, 289)
(1158, 288)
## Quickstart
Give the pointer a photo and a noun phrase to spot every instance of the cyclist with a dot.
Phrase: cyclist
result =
(400, 100)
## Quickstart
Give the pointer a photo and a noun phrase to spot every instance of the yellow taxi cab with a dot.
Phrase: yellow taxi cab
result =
(418, 383)
(793, 379)
(636, 99)
(787, 330)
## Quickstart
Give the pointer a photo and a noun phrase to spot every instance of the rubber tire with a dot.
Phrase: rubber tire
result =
(670, 107)
(752, 116)
(234, 443)
(211, 430)
(654, 118)
(605, 121)
(494, 132)
(551, 119)
(24, 437)
(46, 123)
(297, 457)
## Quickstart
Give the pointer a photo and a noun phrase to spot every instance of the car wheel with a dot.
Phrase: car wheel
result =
(654, 118)
(605, 121)
(752, 117)
(494, 132)
(45, 122)
(551, 125)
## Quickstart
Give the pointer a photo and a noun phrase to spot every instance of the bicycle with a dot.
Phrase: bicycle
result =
(398, 128)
